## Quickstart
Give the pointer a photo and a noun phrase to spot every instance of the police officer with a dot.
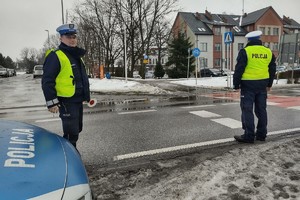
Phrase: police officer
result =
(65, 82)
(253, 76)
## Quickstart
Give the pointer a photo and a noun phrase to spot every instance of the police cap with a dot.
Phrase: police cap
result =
(67, 29)
(254, 35)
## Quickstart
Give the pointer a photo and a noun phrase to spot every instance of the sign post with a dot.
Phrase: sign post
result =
(196, 52)
(228, 39)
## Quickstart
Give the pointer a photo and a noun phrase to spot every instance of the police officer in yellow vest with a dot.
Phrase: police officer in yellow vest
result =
(65, 82)
(253, 76)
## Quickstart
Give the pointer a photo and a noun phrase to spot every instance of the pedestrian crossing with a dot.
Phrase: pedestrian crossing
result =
(228, 122)
(289, 102)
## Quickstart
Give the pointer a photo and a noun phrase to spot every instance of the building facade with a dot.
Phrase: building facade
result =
(207, 31)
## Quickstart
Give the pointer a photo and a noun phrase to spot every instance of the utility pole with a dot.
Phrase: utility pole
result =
(48, 39)
(62, 11)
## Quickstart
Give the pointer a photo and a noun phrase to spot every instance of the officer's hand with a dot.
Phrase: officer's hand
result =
(268, 89)
(54, 109)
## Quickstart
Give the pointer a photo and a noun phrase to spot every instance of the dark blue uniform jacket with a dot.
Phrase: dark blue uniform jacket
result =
(253, 85)
(52, 69)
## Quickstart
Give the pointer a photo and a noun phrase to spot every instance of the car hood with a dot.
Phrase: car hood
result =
(35, 162)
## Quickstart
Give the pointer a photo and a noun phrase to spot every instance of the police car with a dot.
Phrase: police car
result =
(39, 165)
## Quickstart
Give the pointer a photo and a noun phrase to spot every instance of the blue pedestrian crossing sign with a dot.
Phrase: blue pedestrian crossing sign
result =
(228, 37)
(196, 52)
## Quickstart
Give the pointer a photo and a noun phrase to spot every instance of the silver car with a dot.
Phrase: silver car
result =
(38, 71)
(3, 72)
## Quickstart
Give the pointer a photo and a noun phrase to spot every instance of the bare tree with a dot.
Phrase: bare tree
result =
(98, 25)
(104, 22)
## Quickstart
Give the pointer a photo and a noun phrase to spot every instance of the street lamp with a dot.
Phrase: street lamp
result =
(62, 11)
(48, 38)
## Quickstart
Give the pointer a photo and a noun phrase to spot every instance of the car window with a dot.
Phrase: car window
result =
(38, 67)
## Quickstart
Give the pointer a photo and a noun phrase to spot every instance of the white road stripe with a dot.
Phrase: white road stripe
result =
(188, 146)
(47, 120)
(231, 123)
(170, 149)
(272, 103)
(294, 107)
(199, 106)
(234, 103)
(133, 112)
(205, 114)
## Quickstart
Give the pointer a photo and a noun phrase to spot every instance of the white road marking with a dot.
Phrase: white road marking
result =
(233, 103)
(205, 114)
(294, 107)
(272, 103)
(199, 106)
(188, 146)
(133, 112)
(231, 123)
(47, 120)
(170, 149)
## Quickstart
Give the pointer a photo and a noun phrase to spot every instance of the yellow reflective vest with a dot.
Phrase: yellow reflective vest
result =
(259, 58)
(64, 82)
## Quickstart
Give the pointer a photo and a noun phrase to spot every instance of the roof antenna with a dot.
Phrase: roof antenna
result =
(241, 18)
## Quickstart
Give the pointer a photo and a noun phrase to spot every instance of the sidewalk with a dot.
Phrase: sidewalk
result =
(266, 170)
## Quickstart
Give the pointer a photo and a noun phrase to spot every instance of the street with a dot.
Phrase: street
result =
(127, 127)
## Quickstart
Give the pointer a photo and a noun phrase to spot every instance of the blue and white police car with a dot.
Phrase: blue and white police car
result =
(36, 164)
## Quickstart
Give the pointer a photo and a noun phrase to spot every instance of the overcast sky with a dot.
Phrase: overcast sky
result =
(23, 22)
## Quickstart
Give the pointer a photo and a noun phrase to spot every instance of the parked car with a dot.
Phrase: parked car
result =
(226, 72)
(11, 72)
(210, 72)
(136, 76)
(3, 72)
(280, 68)
(149, 74)
(40, 165)
(38, 71)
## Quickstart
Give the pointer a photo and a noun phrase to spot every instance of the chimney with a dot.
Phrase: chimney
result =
(287, 20)
(208, 15)
(198, 16)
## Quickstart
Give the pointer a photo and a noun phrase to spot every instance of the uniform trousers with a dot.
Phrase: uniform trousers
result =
(71, 115)
(258, 99)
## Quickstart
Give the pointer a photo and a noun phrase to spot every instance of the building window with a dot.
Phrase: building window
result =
(266, 44)
(263, 30)
(269, 31)
(217, 62)
(203, 47)
(275, 46)
(203, 62)
(217, 31)
(275, 31)
(240, 46)
(217, 47)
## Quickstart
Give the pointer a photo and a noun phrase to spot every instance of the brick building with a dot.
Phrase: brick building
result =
(206, 31)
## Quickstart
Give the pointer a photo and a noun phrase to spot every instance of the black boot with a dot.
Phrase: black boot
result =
(240, 138)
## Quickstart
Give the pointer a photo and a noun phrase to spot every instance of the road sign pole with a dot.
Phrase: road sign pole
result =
(188, 69)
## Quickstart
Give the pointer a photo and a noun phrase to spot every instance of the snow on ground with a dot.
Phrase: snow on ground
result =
(218, 82)
(263, 171)
(132, 86)
(118, 86)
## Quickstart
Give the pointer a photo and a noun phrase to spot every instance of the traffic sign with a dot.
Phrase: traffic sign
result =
(196, 52)
(228, 37)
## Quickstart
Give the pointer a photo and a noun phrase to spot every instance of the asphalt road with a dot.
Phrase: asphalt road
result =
(125, 127)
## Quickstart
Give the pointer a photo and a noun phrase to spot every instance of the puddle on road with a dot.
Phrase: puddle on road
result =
(118, 104)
